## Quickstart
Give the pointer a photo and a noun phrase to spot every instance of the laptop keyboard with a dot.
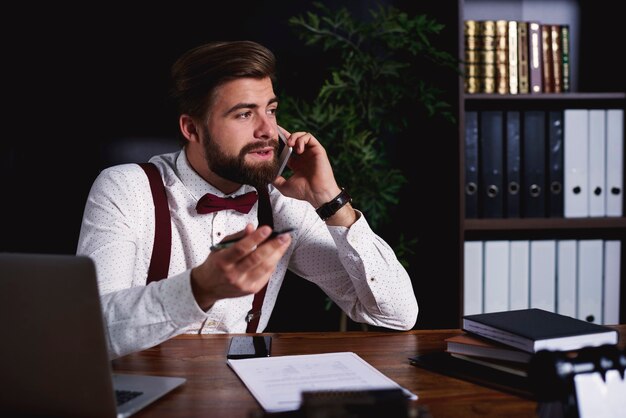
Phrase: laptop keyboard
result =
(123, 396)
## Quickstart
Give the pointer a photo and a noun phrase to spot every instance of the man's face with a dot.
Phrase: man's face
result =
(240, 137)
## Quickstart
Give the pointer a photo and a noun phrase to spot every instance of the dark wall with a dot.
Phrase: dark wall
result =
(602, 66)
(76, 83)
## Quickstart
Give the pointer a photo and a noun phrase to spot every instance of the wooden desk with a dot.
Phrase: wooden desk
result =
(213, 389)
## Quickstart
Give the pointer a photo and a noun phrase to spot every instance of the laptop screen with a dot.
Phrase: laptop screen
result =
(55, 355)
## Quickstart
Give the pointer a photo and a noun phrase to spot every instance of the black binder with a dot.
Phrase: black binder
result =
(555, 164)
(513, 165)
(491, 200)
(534, 165)
(471, 164)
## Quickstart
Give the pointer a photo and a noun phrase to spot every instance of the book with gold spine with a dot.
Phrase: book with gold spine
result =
(557, 58)
(487, 38)
(546, 55)
(522, 57)
(502, 57)
(472, 57)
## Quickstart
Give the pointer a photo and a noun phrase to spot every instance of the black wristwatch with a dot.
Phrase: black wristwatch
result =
(328, 209)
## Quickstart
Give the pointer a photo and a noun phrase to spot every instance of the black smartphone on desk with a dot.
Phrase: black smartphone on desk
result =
(244, 346)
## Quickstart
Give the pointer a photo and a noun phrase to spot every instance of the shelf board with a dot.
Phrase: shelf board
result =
(544, 100)
(545, 228)
(547, 96)
(544, 223)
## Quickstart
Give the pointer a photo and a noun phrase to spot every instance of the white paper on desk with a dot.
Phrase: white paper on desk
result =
(597, 398)
(277, 382)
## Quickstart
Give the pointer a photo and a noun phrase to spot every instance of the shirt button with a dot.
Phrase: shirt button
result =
(219, 234)
(372, 279)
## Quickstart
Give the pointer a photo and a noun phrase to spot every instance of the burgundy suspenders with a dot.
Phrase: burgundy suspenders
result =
(160, 260)
(161, 250)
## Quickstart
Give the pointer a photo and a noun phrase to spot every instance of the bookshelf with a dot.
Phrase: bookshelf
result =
(590, 88)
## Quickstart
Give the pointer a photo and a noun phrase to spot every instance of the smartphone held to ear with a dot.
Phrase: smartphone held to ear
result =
(284, 152)
(245, 346)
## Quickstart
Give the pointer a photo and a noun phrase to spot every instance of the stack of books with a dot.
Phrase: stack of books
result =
(482, 351)
(498, 349)
(507, 340)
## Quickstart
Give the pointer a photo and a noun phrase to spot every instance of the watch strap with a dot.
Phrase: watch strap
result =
(328, 209)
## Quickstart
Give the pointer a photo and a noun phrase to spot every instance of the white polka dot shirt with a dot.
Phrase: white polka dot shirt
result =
(353, 266)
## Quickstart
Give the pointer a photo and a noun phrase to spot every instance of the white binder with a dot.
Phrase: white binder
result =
(597, 163)
(575, 162)
(519, 275)
(612, 251)
(496, 293)
(473, 278)
(566, 298)
(614, 162)
(543, 275)
(590, 292)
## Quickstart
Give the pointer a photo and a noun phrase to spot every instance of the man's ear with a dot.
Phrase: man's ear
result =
(188, 128)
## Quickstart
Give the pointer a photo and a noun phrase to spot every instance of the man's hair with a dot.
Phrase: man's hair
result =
(199, 71)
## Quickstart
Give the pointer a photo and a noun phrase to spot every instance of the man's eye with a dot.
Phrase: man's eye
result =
(244, 115)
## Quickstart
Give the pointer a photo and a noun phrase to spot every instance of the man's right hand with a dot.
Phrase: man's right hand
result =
(242, 269)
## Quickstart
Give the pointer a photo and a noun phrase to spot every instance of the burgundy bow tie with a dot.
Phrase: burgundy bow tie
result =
(210, 203)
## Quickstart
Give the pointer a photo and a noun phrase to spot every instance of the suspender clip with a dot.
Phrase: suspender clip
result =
(252, 315)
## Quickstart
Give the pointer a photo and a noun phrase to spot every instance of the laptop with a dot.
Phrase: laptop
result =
(53, 357)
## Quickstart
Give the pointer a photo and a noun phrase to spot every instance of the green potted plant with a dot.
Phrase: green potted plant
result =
(372, 88)
(370, 94)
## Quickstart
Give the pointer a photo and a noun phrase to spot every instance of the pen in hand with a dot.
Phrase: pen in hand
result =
(230, 242)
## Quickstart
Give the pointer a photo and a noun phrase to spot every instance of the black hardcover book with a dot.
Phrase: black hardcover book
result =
(444, 363)
(534, 163)
(513, 165)
(491, 151)
(555, 164)
(471, 164)
(535, 329)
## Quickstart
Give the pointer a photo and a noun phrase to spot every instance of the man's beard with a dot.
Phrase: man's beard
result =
(235, 169)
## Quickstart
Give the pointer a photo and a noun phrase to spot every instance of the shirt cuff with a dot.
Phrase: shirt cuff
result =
(179, 301)
(345, 233)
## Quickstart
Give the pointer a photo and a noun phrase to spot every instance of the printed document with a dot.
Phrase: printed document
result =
(277, 382)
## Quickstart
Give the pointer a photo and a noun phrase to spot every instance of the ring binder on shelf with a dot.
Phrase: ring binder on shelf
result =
(590, 382)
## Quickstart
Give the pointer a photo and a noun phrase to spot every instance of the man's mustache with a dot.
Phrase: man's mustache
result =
(260, 145)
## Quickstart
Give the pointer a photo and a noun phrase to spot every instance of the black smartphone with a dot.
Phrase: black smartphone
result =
(284, 152)
(230, 242)
(244, 346)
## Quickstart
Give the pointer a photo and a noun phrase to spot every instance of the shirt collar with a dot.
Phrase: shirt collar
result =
(198, 186)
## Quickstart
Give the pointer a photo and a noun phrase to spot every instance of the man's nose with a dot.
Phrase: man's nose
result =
(266, 128)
